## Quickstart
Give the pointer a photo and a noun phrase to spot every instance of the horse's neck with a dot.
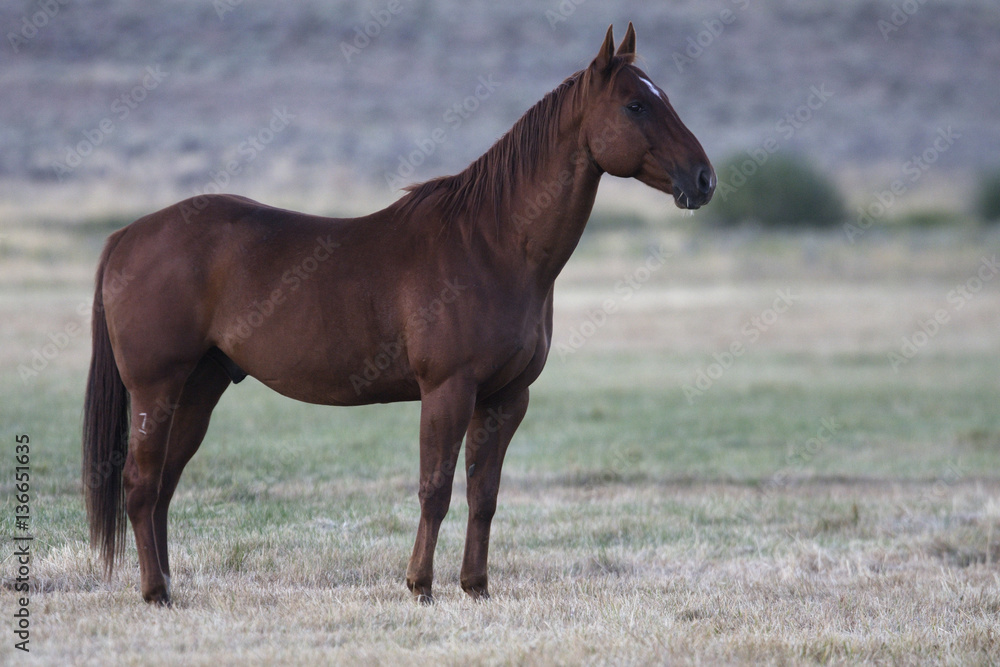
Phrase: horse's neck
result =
(551, 211)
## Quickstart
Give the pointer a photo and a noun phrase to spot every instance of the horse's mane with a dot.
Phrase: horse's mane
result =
(490, 179)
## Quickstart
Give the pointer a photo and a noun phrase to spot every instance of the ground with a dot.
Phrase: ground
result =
(746, 448)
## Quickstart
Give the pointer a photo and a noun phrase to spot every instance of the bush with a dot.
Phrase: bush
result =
(783, 191)
(930, 218)
(988, 197)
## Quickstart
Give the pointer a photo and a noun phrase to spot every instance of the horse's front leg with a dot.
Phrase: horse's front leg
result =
(493, 425)
(444, 417)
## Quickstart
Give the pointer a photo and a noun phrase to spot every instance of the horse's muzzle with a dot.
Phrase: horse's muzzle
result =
(696, 189)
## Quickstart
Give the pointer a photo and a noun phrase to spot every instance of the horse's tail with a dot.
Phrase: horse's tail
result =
(105, 434)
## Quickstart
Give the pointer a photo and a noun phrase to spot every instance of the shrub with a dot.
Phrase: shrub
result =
(929, 218)
(783, 191)
(988, 197)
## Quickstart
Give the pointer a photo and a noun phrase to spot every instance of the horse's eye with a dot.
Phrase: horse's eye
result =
(636, 107)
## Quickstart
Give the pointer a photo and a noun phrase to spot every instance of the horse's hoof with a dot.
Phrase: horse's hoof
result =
(160, 600)
(421, 593)
(479, 596)
(476, 588)
(478, 593)
(159, 595)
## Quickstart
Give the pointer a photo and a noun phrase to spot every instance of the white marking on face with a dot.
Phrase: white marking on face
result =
(656, 91)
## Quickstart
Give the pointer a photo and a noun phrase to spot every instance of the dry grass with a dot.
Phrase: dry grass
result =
(633, 528)
(610, 573)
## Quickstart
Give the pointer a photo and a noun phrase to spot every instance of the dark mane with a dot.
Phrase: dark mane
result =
(489, 179)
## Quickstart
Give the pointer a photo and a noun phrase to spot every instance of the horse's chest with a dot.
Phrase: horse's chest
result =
(520, 362)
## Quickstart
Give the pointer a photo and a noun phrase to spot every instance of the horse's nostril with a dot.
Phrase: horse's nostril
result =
(705, 180)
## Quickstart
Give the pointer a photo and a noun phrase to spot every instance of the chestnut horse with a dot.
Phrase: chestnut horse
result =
(443, 297)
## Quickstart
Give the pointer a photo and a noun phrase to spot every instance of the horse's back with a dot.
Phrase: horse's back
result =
(291, 298)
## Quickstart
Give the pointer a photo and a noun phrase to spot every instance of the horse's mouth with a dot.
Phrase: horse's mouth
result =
(697, 190)
(689, 202)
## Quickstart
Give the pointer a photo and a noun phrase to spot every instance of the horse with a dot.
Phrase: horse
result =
(445, 297)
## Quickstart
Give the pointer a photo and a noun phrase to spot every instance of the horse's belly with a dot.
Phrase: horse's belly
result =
(355, 388)
(330, 372)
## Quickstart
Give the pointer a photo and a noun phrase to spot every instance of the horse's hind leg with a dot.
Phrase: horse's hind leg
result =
(200, 395)
(153, 407)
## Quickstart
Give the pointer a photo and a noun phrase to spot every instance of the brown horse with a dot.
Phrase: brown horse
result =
(443, 297)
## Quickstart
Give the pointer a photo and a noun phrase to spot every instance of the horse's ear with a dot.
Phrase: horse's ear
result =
(602, 63)
(627, 47)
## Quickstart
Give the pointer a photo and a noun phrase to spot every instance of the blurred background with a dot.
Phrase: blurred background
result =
(119, 108)
(796, 383)
(848, 254)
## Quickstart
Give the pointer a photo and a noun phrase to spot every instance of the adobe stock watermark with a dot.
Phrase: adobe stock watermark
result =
(750, 333)
(564, 9)
(417, 322)
(258, 312)
(940, 491)
(246, 152)
(785, 128)
(453, 117)
(956, 299)
(550, 190)
(443, 476)
(624, 290)
(712, 29)
(900, 16)
(120, 109)
(31, 23)
(623, 463)
(162, 410)
(367, 32)
(910, 174)
(798, 457)
(496, 417)
(58, 340)
(223, 7)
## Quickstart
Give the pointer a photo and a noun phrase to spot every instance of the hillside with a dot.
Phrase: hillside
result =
(116, 106)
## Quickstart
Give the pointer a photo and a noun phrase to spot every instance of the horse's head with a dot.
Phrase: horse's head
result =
(631, 130)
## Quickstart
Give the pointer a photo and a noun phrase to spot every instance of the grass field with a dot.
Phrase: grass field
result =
(802, 501)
